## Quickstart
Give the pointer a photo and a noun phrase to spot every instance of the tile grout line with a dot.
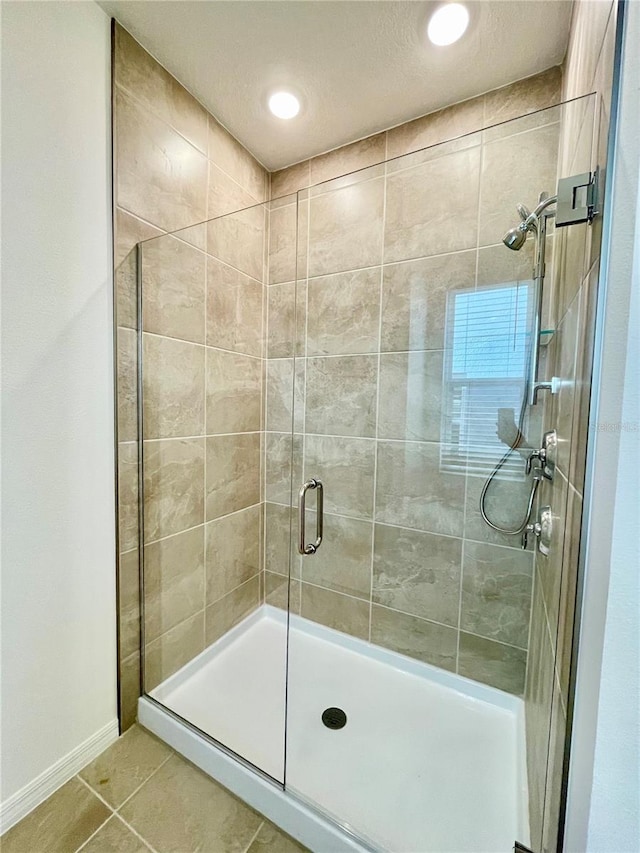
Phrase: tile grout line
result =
(253, 837)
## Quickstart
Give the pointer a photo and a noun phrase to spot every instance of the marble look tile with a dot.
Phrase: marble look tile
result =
(341, 395)
(432, 209)
(282, 593)
(567, 337)
(345, 467)
(128, 495)
(233, 473)
(496, 593)
(573, 532)
(237, 238)
(115, 837)
(234, 309)
(233, 158)
(223, 614)
(492, 663)
(414, 299)
(280, 550)
(233, 551)
(160, 176)
(282, 320)
(416, 638)
(418, 573)
(226, 196)
(130, 683)
(553, 792)
(532, 95)
(60, 824)
(436, 127)
(127, 390)
(411, 395)
(290, 180)
(343, 562)
(173, 275)
(129, 230)
(128, 604)
(171, 651)
(173, 581)
(358, 155)
(138, 72)
(401, 496)
(516, 168)
(345, 228)
(280, 391)
(282, 461)
(234, 392)
(498, 266)
(283, 228)
(174, 486)
(505, 504)
(340, 612)
(270, 839)
(181, 810)
(344, 313)
(117, 772)
(583, 376)
(173, 387)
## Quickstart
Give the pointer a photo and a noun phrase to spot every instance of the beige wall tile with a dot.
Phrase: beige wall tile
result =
(233, 473)
(277, 592)
(231, 609)
(160, 176)
(233, 158)
(233, 551)
(282, 461)
(129, 230)
(345, 467)
(129, 603)
(238, 240)
(290, 180)
(418, 573)
(271, 838)
(524, 96)
(173, 581)
(496, 593)
(280, 394)
(588, 27)
(343, 561)
(411, 395)
(234, 309)
(492, 663)
(340, 612)
(349, 158)
(435, 128)
(282, 320)
(171, 651)
(341, 395)
(129, 677)
(280, 541)
(432, 209)
(226, 196)
(414, 299)
(234, 388)
(505, 504)
(416, 638)
(173, 387)
(127, 389)
(174, 486)
(344, 313)
(128, 495)
(140, 74)
(401, 498)
(115, 837)
(283, 227)
(345, 228)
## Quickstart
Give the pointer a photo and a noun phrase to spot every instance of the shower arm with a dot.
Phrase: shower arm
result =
(538, 220)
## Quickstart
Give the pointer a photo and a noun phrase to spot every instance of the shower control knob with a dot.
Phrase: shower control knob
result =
(541, 529)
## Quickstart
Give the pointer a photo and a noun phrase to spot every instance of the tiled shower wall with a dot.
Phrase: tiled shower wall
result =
(176, 166)
(407, 562)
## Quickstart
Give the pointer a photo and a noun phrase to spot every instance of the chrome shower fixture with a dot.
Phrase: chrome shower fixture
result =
(516, 237)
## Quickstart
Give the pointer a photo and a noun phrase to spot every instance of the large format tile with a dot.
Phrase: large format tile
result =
(341, 395)
(128, 519)
(492, 663)
(181, 810)
(115, 837)
(283, 234)
(130, 689)
(505, 505)
(432, 208)
(343, 561)
(414, 299)
(174, 486)
(270, 839)
(435, 128)
(173, 395)
(232, 608)
(289, 180)
(531, 95)
(411, 395)
(59, 825)
(283, 464)
(358, 155)
(171, 651)
(418, 573)
(120, 770)
(127, 387)
(280, 394)
(416, 638)
(233, 551)
(280, 543)
(234, 392)
(345, 467)
(345, 228)
(128, 603)
(227, 153)
(129, 230)
(412, 490)
(233, 473)
(238, 239)
(160, 177)
(234, 309)
(173, 581)
(496, 593)
(344, 313)
(173, 289)
(282, 592)
(281, 332)
(340, 612)
(225, 195)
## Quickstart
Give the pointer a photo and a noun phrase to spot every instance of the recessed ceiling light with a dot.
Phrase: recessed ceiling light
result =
(448, 23)
(284, 105)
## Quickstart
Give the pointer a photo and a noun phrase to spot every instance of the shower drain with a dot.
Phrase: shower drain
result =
(334, 718)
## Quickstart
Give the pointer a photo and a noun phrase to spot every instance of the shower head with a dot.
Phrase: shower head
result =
(516, 237)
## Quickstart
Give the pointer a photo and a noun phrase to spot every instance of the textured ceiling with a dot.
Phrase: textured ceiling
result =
(358, 67)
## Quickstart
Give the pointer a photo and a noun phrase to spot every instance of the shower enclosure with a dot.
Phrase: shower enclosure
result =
(326, 382)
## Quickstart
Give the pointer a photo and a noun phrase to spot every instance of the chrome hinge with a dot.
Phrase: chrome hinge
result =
(577, 199)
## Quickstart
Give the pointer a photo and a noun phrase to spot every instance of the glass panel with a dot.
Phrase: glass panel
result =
(414, 617)
(214, 653)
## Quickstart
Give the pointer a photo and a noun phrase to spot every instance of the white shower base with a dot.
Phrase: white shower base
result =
(428, 762)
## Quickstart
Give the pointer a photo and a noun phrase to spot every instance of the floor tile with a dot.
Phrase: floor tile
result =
(270, 838)
(115, 837)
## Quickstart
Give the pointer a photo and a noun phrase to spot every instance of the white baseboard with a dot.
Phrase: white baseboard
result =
(17, 806)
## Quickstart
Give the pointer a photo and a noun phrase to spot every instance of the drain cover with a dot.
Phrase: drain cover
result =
(334, 718)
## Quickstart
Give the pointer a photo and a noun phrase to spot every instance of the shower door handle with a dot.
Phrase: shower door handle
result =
(312, 547)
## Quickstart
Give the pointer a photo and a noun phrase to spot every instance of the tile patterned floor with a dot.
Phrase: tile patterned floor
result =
(141, 796)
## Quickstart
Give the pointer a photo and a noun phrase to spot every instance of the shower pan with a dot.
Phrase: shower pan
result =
(337, 391)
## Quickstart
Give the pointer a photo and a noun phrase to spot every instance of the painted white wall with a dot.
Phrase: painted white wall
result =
(58, 544)
(604, 786)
